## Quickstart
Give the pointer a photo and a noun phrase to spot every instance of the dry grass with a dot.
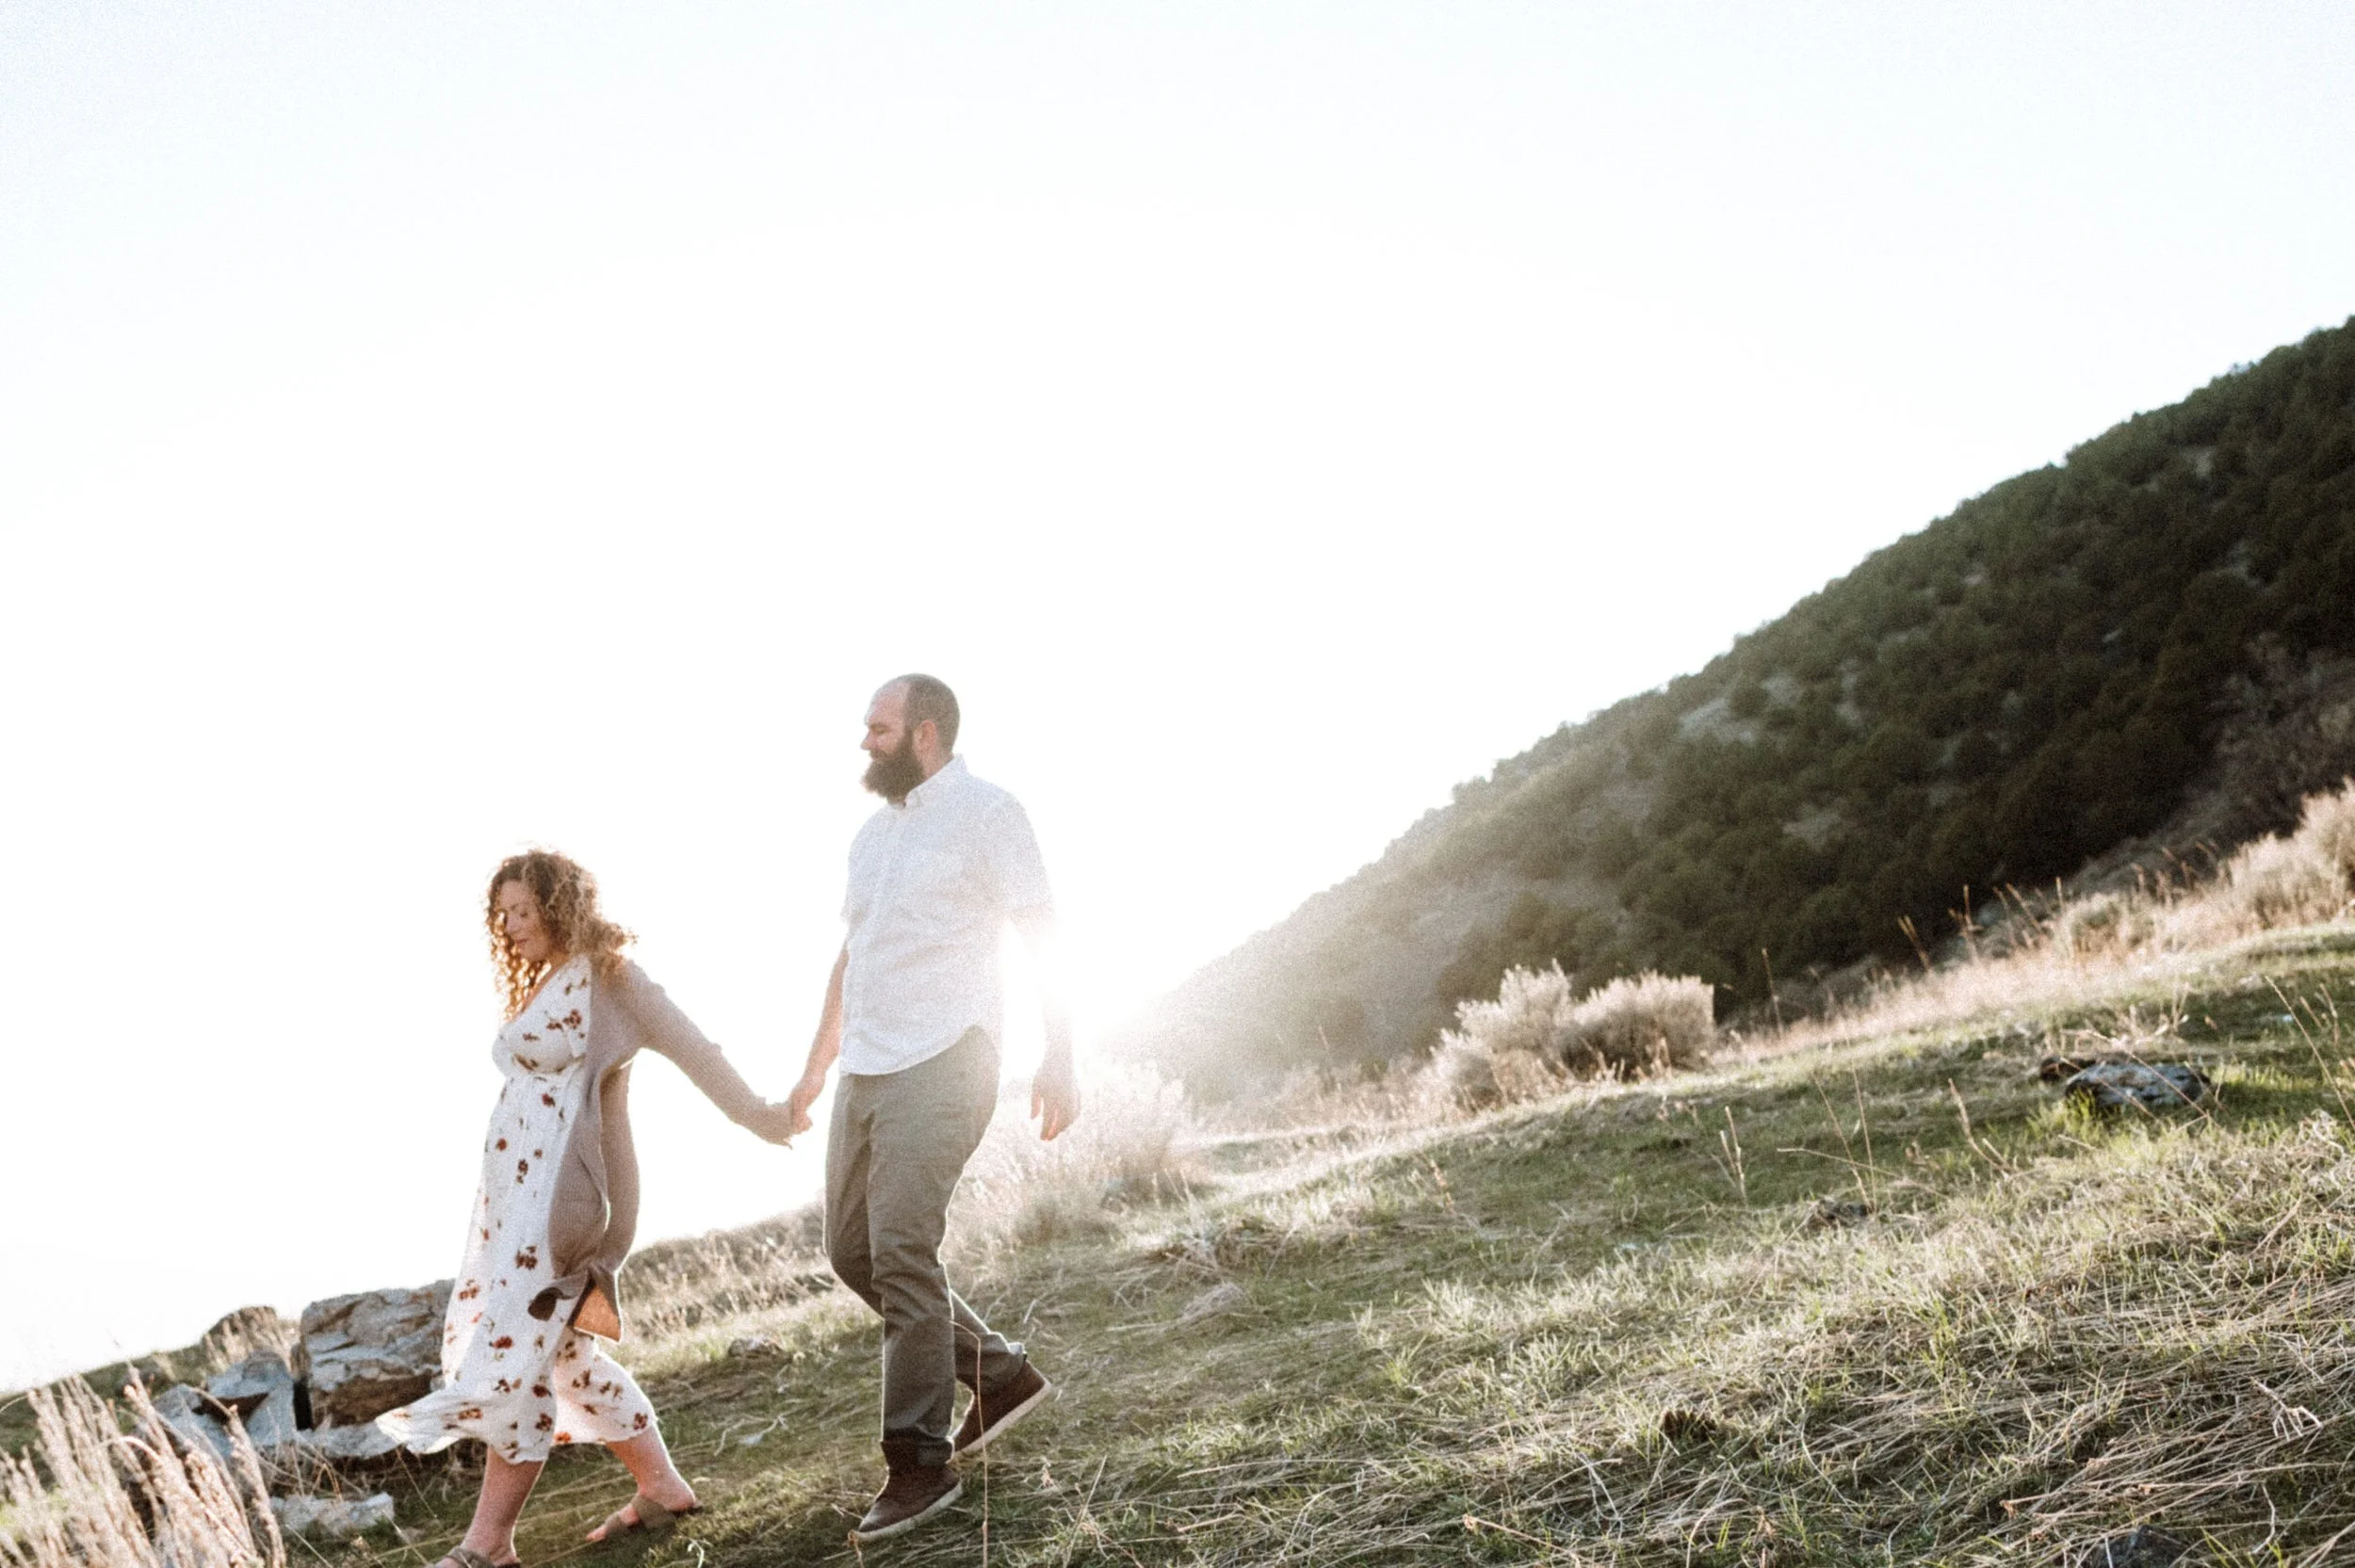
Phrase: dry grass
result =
(2078, 952)
(2024, 1370)
(99, 1496)
(1128, 1148)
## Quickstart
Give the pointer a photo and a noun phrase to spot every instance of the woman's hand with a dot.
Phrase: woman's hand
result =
(779, 1122)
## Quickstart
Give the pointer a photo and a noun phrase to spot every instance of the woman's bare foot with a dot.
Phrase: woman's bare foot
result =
(669, 1501)
(660, 1484)
(463, 1556)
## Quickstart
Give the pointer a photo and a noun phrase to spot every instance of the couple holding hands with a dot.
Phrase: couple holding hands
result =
(912, 1013)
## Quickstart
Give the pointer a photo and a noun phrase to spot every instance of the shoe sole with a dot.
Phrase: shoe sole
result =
(1005, 1423)
(867, 1537)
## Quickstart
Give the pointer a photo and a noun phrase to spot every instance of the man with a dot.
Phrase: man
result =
(913, 1011)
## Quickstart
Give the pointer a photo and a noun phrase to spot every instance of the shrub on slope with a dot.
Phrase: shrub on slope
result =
(1538, 1034)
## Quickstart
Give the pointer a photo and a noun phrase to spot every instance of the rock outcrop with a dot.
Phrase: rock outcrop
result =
(364, 1355)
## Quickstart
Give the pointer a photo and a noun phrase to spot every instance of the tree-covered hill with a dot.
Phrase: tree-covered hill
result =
(2066, 662)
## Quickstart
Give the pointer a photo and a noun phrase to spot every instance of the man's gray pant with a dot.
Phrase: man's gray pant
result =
(899, 1143)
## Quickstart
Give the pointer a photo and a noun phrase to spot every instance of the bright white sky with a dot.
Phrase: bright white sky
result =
(430, 429)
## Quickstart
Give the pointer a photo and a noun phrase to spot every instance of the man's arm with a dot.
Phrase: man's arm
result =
(1055, 1092)
(823, 1049)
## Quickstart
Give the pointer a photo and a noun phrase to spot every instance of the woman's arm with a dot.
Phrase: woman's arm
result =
(666, 1029)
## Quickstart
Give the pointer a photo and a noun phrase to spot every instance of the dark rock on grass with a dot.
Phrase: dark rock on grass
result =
(1832, 1213)
(2137, 1086)
(2140, 1547)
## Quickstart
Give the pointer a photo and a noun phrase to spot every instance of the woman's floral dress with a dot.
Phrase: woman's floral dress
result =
(518, 1383)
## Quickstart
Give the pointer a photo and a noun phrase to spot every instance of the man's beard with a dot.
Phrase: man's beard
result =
(892, 774)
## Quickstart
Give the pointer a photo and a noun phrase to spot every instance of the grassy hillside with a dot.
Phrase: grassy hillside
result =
(1866, 1290)
(2089, 653)
(1791, 1310)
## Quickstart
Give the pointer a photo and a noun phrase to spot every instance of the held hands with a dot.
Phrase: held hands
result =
(774, 1123)
(782, 1120)
(1055, 1094)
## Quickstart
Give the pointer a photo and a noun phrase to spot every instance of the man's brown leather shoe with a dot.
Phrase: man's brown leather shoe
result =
(994, 1411)
(914, 1493)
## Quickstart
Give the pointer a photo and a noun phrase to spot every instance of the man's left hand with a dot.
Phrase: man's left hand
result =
(1055, 1095)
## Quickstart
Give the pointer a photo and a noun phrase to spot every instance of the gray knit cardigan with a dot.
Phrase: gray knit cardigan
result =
(595, 1212)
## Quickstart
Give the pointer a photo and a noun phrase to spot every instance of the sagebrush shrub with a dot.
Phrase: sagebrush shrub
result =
(2327, 824)
(1538, 1033)
(2101, 924)
(1645, 1023)
(2282, 882)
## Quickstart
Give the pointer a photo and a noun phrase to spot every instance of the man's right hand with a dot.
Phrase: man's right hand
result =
(798, 1103)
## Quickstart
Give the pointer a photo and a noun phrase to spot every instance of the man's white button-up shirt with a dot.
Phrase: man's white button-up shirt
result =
(933, 881)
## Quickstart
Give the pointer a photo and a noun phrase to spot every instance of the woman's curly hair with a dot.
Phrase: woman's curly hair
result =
(567, 897)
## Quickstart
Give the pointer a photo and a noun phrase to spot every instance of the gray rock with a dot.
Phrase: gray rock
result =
(1833, 1213)
(242, 1333)
(363, 1355)
(196, 1419)
(344, 1447)
(332, 1518)
(261, 1389)
(2133, 1085)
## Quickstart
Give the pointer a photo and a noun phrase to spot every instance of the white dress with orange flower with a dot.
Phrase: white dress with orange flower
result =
(521, 1383)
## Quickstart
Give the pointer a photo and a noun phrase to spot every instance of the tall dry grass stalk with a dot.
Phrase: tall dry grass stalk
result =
(144, 1499)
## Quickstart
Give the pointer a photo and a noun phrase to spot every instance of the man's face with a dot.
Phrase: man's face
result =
(892, 769)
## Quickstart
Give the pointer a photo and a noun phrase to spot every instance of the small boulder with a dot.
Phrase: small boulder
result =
(332, 1518)
(197, 1419)
(243, 1332)
(342, 1448)
(2139, 1086)
(261, 1389)
(1834, 1213)
(365, 1354)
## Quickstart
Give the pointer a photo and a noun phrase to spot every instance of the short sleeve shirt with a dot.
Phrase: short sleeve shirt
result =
(933, 883)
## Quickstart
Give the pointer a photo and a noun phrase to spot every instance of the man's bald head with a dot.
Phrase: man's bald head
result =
(911, 735)
(927, 699)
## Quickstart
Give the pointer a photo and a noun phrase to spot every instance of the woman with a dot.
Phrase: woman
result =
(558, 1204)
